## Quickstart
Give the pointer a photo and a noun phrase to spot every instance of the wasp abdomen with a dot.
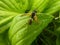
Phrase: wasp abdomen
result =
(30, 21)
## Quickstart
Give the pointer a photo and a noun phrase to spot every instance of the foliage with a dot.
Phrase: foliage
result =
(14, 22)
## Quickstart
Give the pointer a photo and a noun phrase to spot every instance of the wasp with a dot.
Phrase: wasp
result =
(33, 17)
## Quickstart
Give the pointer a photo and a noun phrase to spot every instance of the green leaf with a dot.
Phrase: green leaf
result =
(30, 4)
(14, 5)
(3, 40)
(53, 8)
(7, 13)
(22, 33)
(58, 40)
(39, 5)
(9, 9)
(58, 37)
(5, 23)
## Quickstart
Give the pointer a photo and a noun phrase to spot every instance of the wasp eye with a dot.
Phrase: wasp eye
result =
(33, 14)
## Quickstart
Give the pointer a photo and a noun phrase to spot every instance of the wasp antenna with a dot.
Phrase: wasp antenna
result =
(35, 11)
